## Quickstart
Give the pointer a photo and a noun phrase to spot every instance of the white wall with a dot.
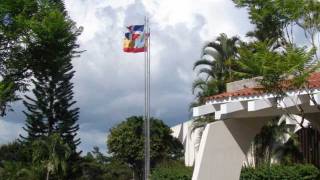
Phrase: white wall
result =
(189, 140)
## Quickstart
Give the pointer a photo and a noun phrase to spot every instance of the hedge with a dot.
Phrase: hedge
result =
(171, 170)
(175, 170)
(281, 172)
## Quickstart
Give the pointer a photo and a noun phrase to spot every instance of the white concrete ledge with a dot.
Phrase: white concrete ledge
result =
(205, 109)
(290, 101)
(232, 107)
(260, 104)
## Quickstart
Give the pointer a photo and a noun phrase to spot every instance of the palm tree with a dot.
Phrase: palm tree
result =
(216, 63)
(53, 153)
(268, 142)
(214, 71)
(201, 89)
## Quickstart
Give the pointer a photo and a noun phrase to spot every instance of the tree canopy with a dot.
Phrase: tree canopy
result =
(126, 143)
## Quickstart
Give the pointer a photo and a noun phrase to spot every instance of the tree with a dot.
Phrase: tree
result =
(15, 17)
(51, 49)
(218, 59)
(216, 64)
(277, 58)
(267, 17)
(53, 154)
(126, 143)
(14, 152)
(97, 166)
(276, 20)
(268, 141)
(11, 170)
(44, 158)
(51, 110)
(257, 59)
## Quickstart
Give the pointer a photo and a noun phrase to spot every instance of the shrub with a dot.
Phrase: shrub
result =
(281, 172)
(126, 143)
(171, 170)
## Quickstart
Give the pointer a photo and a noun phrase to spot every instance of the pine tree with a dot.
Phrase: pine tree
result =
(53, 45)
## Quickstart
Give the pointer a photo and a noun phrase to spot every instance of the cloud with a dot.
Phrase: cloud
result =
(92, 138)
(109, 83)
(9, 131)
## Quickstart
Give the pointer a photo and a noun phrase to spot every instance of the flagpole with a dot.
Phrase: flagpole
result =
(147, 100)
(149, 91)
(145, 103)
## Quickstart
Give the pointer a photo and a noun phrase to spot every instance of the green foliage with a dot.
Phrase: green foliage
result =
(48, 156)
(11, 170)
(201, 122)
(215, 69)
(126, 143)
(268, 142)
(274, 55)
(16, 163)
(15, 151)
(37, 44)
(14, 30)
(171, 170)
(52, 153)
(216, 64)
(281, 172)
(290, 151)
(45, 157)
(275, 20)
(52, 45)
(258, 59)
(38, 40)
(270, 17)
(202, 89)
(114, 169)
(273, 17)
(99, 167)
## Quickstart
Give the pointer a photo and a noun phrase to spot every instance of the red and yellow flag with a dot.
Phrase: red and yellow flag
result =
(134, 41)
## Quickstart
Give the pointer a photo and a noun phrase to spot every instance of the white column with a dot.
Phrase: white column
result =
(223, 148)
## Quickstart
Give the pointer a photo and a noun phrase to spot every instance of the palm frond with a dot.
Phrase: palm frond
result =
(198, 83)
(201, 122)
(202, 62)
(206, 71)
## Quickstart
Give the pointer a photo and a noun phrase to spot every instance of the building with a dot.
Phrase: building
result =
(240, 113)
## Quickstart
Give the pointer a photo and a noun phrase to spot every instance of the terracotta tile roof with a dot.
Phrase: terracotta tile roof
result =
(313, 82)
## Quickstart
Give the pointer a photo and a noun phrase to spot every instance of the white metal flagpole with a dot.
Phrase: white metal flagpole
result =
(147, 101)
(149, 91)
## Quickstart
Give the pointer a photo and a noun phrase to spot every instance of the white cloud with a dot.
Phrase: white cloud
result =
(91, 138)
(9, 131)
(109, 83)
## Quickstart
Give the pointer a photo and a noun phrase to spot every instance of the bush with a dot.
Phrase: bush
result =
(171, 170)
(126, 143)
(281, 172)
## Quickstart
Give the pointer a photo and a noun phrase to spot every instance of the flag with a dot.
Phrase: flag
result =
(134, 41)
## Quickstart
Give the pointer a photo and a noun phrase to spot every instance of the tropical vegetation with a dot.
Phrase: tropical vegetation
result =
(171, 170)
(38, 41)
(272, 53)
(215, 68)
(280, 172)
(126, 143)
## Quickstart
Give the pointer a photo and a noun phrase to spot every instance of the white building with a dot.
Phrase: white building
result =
(240, 113)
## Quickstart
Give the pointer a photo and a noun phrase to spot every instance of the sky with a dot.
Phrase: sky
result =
(108, 83)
